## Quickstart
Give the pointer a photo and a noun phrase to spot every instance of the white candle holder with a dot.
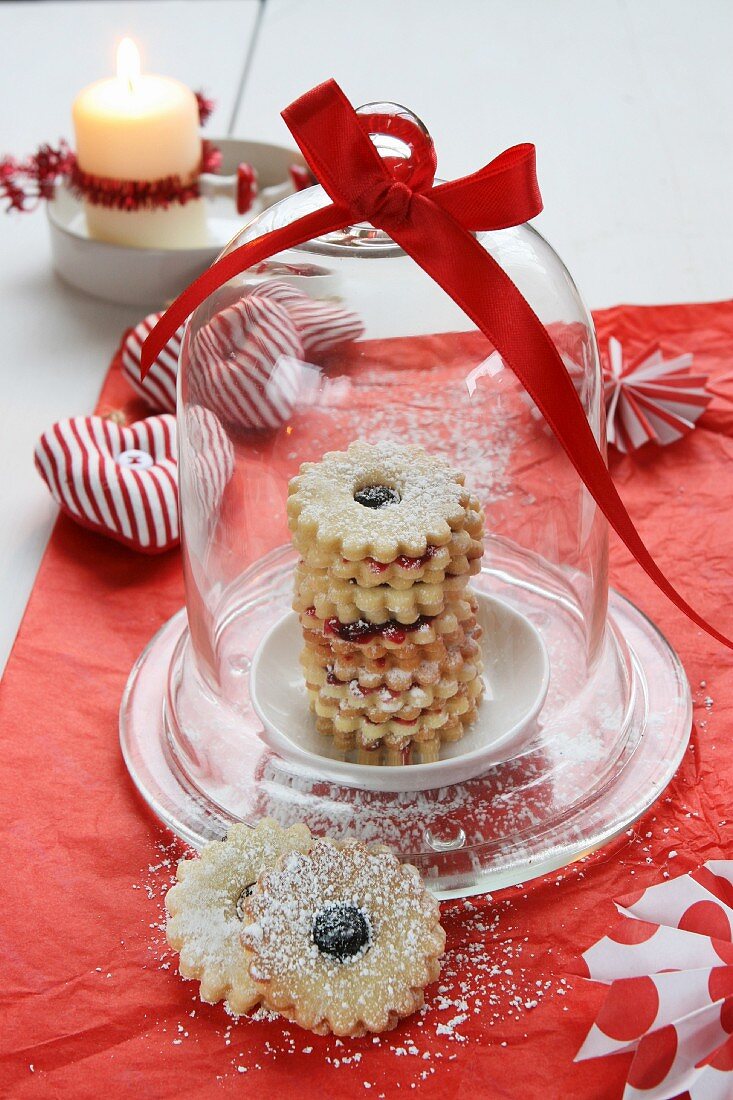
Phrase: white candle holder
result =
(151, 277)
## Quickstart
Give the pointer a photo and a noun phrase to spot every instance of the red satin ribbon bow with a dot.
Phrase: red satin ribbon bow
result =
(434, 225)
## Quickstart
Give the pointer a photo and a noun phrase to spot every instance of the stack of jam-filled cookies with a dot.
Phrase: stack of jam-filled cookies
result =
(389, 537)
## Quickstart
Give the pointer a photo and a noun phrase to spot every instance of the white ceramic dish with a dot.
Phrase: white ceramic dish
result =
(516, 675)
(151, 277)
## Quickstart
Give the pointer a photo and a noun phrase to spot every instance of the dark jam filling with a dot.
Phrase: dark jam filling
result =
(376, 496)
(401, 721)
(403, 561)
(362, 632)
(340, 930)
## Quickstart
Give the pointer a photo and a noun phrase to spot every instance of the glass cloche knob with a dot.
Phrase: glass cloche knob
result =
(403, 142)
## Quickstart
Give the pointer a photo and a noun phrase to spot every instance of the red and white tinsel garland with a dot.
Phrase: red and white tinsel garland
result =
(25, 183)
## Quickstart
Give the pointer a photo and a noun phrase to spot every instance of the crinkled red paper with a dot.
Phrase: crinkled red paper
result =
(91, 1007)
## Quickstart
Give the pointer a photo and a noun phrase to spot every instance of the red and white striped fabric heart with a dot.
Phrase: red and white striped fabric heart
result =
(253, 382)
(322, 325)
(118, 481)
(211, 460)
(158, 388)
(247, 365)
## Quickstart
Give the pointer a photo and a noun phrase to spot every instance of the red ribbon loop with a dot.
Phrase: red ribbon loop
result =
(435, 225)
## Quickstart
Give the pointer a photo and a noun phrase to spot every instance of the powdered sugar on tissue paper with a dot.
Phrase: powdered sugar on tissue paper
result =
(482, 980)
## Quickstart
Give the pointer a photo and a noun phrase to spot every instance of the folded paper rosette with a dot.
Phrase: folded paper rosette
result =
(650, 398)
(669, 964)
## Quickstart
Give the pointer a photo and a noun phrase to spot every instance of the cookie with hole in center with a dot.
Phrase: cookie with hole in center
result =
(377, 500)
(343, 938)
(205, 908)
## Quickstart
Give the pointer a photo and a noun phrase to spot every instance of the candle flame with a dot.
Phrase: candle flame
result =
(128, 63)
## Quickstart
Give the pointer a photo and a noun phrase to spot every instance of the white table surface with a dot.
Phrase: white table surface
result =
(55, 343)
(628, 101)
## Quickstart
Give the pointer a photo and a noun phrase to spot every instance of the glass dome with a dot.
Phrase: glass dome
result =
(346, 339)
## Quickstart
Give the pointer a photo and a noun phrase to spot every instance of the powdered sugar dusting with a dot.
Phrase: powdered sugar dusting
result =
(432, 500)
(484, 984)
(385, 979)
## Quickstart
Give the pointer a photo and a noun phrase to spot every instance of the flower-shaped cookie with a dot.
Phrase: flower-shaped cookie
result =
(118, 481)
(343, 938)
(206, 908)
(377, 500)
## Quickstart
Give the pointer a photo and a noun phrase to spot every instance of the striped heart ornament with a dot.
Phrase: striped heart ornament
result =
(247, 365)
(239, 385)
(211, 460)
(321, 325)
(158, 389)
(118, 481)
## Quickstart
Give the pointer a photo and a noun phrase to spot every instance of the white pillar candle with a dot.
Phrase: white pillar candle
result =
(140, 127)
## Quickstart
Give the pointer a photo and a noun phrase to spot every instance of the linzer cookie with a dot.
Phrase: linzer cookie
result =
(407, 720)
(389, 537)
(379, 501)
(342, 939)
(397, 668)
(377, 639)
(205, 908)
(348, 601)
(461, 557)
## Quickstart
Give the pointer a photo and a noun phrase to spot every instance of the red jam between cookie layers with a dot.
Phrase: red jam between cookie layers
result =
(362, 632)
(403, 561)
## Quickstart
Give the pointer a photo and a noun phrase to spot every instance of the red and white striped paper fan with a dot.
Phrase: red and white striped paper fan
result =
(651, 398)
(118, 481)
(158, 388)
(247, 365)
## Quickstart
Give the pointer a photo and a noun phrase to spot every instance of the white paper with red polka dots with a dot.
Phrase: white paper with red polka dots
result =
(669, 962)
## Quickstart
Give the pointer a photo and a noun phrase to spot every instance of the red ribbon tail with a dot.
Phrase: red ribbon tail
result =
(503, 193)
(435, 232)
(325, 220)
(476, 282)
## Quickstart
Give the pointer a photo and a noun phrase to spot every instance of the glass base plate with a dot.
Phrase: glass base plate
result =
(547, 806)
